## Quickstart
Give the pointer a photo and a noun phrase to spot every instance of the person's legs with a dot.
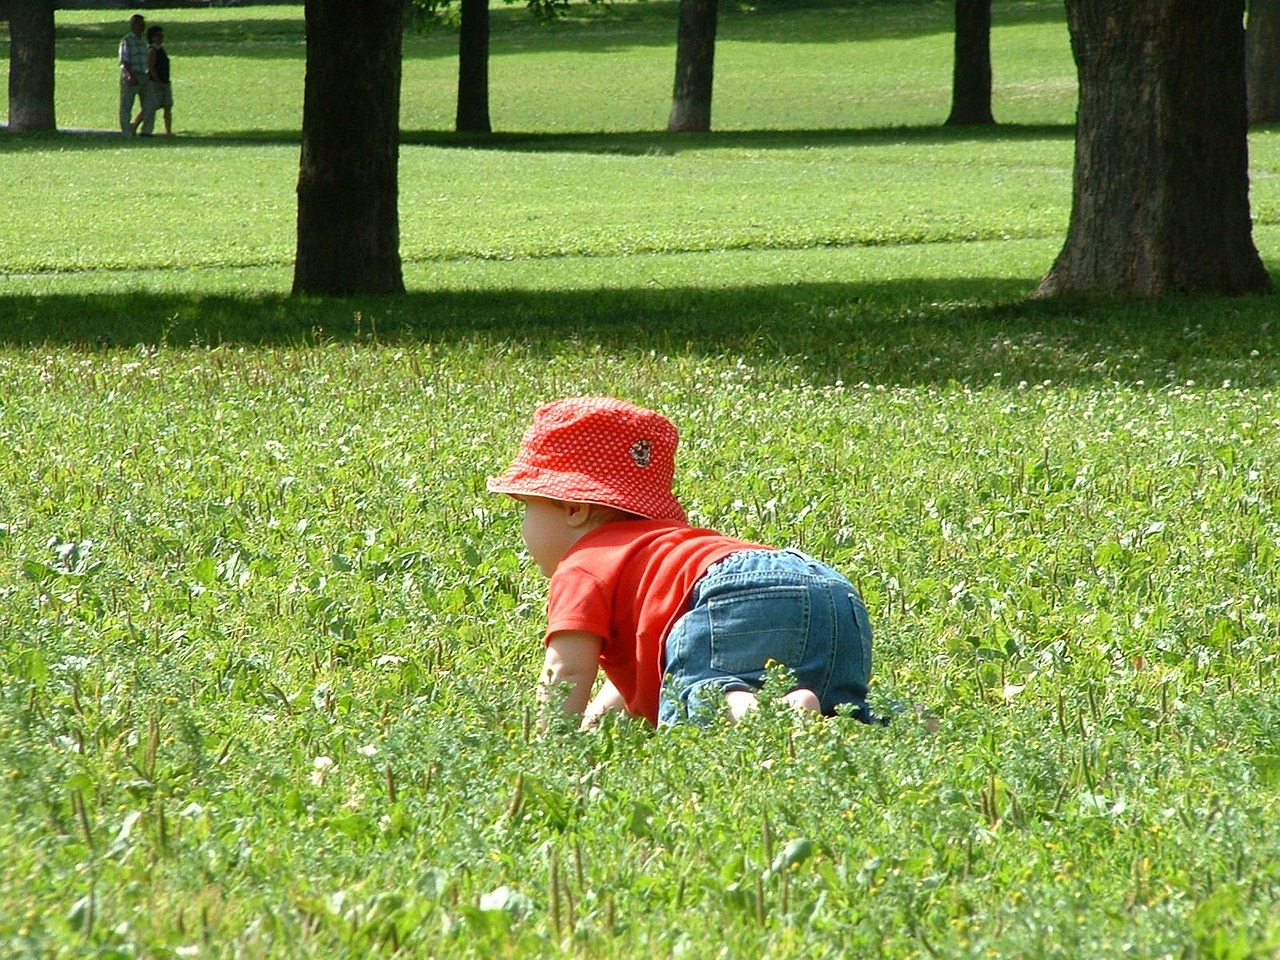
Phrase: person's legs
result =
(850, 677)
(751, 611)
(164, 102)
(741, 702)
(758, 609)
(803, 700)
(127, 92)
(148, 108)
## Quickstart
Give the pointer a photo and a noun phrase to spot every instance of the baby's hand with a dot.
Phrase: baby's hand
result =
(607, 700)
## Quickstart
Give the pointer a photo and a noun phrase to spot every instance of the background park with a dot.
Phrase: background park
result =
(267, 648)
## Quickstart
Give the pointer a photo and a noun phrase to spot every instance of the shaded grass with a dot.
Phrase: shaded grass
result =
(910, 332)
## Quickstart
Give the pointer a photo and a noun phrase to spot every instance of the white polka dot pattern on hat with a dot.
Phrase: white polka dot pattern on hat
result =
(597, 450)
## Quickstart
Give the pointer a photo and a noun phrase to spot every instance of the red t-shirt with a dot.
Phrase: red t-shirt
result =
(627, 582)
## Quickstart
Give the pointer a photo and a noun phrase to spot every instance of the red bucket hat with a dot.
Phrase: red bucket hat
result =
(597, 450)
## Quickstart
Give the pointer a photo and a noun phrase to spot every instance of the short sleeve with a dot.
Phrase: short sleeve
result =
(578, 601)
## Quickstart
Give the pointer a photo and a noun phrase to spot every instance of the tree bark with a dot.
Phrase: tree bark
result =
(1262, 61)
(348, 219)
(971, 79)
(695, 59)
(473, 68)
(31, 59)
(1160, 198)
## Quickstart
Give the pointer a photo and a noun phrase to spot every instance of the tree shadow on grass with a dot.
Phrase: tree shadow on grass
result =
(604, 28)
(629, 143)
(67, 139)
(669, 144)
(978, 331)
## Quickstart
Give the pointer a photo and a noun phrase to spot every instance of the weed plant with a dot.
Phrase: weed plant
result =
(269, 650)
(267, 646)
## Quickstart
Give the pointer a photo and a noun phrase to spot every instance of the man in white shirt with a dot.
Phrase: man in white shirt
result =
(133, 75)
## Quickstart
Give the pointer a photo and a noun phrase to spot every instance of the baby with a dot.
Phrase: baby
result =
(681, 620)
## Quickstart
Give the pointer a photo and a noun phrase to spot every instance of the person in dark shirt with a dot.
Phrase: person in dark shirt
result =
(159, 92)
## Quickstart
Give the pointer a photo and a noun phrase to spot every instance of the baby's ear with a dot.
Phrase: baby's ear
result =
(577, 514)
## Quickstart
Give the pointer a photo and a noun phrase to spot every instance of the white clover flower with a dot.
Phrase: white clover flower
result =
(322, 766)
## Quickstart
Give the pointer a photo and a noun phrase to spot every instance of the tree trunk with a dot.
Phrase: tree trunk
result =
(1160, 199)
(695, 59)
(348, 220)
(473, 68)
(31, 56)
(1263, 61)
(971, 79)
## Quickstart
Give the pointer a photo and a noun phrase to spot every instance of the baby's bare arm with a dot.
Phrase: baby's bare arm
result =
(571, 665)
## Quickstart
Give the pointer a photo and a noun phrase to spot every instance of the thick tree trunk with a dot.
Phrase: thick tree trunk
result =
(1160, 200)
(473, 68)
(1263, 61)
(348, 220)
(971, 79)
(695, 59)
(31, 57)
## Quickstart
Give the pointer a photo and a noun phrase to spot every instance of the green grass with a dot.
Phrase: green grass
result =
(267, 648)
(691, 196)
(221, 565)
(591, 173)
(826, 65)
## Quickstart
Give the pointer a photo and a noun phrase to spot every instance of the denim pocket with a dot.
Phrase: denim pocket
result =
(751, 627)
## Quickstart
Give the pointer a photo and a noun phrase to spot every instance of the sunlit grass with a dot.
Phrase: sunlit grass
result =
(603, 68)
(270, 648)
(267, 647)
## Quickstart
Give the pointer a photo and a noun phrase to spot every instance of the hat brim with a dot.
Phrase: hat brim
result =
(522, 482)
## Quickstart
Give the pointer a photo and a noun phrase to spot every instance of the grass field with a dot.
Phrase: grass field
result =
(267, 648)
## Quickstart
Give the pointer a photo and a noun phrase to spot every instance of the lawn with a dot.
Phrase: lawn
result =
(267, 647)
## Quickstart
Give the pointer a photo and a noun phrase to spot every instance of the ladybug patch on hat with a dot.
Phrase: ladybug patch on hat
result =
(642, 453)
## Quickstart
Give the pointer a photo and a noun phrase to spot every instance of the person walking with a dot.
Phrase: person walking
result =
(159, 89)
(133, 74)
